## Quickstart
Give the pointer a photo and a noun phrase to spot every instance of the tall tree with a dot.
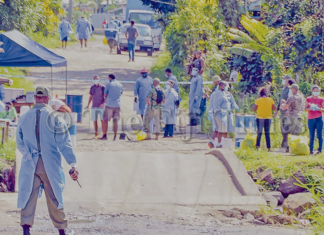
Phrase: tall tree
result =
(70, 11)
(163, 8)
(98, 2)
(29, 15)
(231, 11)
(107, 8)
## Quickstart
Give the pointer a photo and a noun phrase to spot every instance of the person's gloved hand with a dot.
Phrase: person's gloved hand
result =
(135, 99)
(196, 98)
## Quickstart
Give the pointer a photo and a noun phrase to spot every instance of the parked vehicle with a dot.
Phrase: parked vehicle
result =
(135, 10)
(144, 40)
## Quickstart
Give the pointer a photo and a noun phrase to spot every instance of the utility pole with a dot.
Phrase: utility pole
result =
(70, 10)
(107, 9)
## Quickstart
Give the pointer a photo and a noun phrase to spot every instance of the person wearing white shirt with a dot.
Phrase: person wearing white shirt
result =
(233, 77)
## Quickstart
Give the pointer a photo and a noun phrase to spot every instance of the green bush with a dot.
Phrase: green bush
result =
(48, 42)
(164, 62)
(283, 166)
(7, 153)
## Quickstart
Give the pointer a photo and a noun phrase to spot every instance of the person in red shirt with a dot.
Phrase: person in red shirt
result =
(104, 23)
(315, 107)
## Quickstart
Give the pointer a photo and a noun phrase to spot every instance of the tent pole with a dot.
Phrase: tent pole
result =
(52, 82)
(66, 80)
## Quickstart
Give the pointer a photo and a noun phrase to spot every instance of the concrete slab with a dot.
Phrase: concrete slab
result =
(150, 178)
(238, 172)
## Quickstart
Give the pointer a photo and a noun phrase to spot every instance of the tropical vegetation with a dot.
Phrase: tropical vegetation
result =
(288, 38)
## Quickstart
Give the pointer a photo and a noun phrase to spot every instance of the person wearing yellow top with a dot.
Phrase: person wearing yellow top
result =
(264, 106)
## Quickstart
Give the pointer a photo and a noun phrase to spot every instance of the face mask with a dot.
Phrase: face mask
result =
(290, 94)
(96, 82)
(166, 76)
(283, 82)
(167, 86)
(226, 88)
(315, 93)
(144, 75)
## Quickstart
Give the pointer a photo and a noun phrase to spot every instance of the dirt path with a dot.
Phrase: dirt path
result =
(102, 217)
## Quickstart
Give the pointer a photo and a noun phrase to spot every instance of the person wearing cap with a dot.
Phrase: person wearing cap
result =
(142, 87)
(294, 107)
(285, 93)
(216, 79)
(9, 112)
(64, 29)
(315, 107)
(111, 24)
(195, 96)
(97, 93)
(154, 101)
(223, 105)
(84, 31)
(169, 75)
(113, 92)
(118, 23)
(43, 138)
(169, 114)
(131, 34)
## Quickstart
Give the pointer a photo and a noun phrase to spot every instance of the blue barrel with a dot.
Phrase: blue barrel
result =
(75, 103)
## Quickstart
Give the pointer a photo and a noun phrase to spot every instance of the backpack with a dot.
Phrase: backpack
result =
(159, 97)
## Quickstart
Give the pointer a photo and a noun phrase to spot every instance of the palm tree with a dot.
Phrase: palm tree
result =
(256, 41)
(248, 44)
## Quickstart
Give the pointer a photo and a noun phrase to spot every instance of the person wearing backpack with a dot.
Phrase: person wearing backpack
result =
(154, 100)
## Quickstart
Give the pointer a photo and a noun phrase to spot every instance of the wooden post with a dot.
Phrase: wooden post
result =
(5, 133)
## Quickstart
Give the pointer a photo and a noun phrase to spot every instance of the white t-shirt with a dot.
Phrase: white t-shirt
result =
(56, 104)
(234, 76)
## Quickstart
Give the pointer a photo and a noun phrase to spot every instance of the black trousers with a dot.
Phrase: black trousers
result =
(263, 124)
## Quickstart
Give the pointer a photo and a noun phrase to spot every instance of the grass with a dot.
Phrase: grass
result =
(17, 81)
(283, 166)
(7, 153)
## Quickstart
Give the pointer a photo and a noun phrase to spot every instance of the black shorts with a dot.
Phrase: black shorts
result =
(65, 39)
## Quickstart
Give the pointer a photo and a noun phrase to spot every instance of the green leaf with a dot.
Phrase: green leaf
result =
(240, 51)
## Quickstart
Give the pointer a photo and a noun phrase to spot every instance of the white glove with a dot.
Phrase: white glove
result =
(196, 98)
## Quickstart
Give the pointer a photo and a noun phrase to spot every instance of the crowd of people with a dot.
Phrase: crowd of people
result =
(153, 102)
(292, 104)
(161, 105)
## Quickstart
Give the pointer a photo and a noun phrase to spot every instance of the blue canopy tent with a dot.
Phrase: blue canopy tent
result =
(21, 51)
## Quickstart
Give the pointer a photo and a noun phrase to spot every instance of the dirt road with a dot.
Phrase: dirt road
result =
(125, 201)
